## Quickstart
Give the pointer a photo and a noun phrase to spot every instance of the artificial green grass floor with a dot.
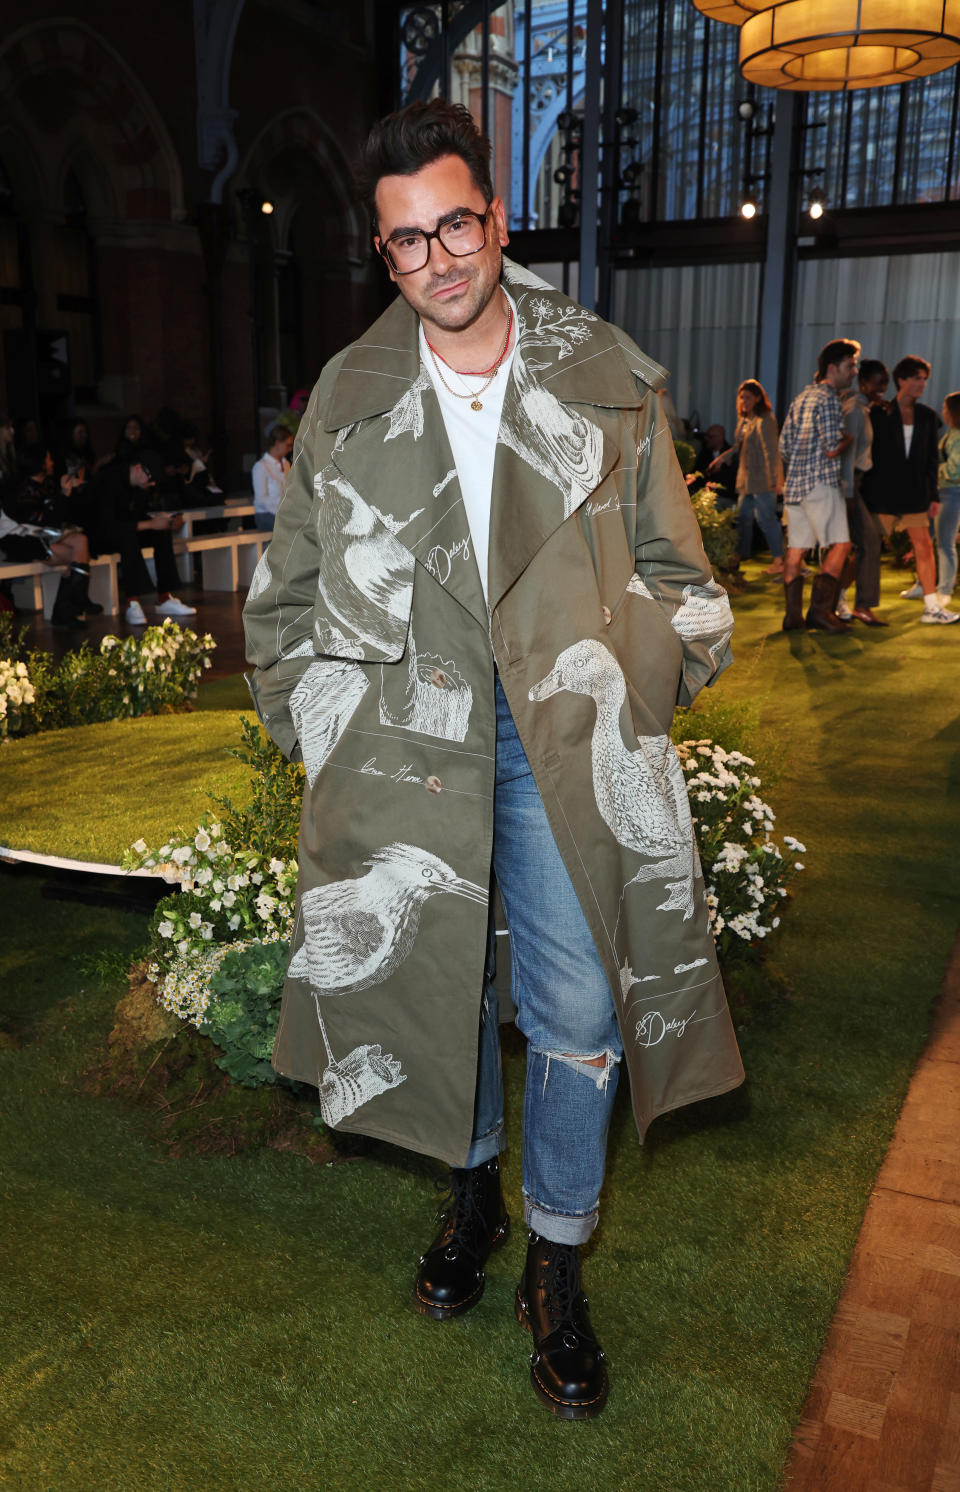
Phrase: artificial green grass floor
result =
(247, 1323)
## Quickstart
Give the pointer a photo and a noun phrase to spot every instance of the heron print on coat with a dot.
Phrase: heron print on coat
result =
(359, 931)
(641, 795)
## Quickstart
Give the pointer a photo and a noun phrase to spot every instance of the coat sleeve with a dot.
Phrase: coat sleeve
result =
(670, 558)
(278, 614)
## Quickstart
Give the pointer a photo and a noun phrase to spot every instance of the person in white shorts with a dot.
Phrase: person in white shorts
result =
(812, 441)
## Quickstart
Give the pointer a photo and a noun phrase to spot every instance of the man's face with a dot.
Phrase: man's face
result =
(913, 387)
(449, 291)
(875, 387)
(716, 437)
(844, 372)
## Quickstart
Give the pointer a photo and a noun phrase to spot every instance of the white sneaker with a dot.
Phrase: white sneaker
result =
(915, 592)
(173, 607)
(135, 616)
(943, 600)
(939, 615)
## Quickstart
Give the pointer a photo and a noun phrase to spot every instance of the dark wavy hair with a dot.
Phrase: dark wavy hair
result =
(909, 367)
(403, 143)
(834, 353)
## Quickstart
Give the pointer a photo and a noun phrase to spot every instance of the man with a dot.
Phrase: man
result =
(902, 487)
(484, 594)
(811, 442)
(724, 478)
(856, 461)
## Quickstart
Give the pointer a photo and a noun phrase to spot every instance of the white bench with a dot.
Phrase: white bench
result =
(35, 584)
(233, 512)
(229, 560)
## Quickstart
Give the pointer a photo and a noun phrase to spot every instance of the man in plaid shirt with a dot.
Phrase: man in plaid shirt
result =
(811, 442)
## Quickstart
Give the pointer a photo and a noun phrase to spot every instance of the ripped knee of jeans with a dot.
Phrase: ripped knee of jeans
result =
(589, 1064)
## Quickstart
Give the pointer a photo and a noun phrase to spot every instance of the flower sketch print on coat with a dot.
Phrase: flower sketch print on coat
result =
(602, 615)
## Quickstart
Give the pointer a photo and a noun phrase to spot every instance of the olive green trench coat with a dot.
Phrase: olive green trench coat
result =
(373, 654)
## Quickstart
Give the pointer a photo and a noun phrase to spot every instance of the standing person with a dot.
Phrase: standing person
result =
(268, 476)
(948, 480)
(759, 471)
(485, 587)
(856, 462)
(902, 487)
(811, 442)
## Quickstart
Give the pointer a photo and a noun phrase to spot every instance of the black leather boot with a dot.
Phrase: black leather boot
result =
(823, 601)
(65, 613)
(474, 1222)
(568, 1366)
(793, 594)
(79, 579)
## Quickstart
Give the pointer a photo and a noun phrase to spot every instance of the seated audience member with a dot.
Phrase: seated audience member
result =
(269, 475)
(130, 439)
(32, 529)
(76, 457)
(759, 471)
(948, 480)
(712, 444)
(8, 454)
(128, 523)
(855, 462)
(200, 476)
(901, 487)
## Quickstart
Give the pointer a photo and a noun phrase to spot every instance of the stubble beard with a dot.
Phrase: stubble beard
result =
(468, 307)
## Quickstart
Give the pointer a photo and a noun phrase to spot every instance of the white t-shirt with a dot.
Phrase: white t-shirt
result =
(473, 439)
(268, 476)
(907, 438)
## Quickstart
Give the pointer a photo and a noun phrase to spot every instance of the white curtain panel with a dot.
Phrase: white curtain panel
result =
(700, 322)
(893, 305)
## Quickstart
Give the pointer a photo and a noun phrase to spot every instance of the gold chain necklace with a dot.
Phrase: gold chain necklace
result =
(474, 397)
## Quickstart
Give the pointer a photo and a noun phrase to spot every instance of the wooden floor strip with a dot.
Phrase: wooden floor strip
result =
(883, 1410)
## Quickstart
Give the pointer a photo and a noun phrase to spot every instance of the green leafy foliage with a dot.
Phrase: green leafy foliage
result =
(244, 1009)
(270, 821)
(717, 528)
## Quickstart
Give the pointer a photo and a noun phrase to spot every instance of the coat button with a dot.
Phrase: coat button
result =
(433, 785)
(438, 678)
(607, 616)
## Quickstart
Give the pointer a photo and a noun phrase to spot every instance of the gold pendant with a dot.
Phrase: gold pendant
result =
(476, 404)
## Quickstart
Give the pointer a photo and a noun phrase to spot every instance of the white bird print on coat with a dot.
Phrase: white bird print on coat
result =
(322, 706)
(703, 616)
(641, 795)
(358, 932)
(366, 574)
(561, 444)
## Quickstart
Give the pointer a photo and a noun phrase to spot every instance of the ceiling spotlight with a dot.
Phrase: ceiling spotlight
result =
(266, 207)
(816, 204)
(748, 208)
(746, 108)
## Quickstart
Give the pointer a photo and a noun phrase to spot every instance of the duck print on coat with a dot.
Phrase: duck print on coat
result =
(436, 701)
(560, 443)
(322, 706)
(359, 931)
(345, 1086)
(641, 795)
(366, 575)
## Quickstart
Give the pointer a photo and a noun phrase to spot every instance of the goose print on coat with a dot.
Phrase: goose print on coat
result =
(641, 795)
(366, 579)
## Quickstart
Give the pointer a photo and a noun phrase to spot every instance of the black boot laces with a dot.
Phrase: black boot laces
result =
(460, 1211)
(560, 1283)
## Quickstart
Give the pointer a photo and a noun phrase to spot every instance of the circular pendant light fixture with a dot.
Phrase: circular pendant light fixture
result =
(813, 46)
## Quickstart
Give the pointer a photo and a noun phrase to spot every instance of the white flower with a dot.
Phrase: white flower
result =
(183, 945)
(798, 865)
(206, 931)
(204, 876)
(256, 878)
(182, 854)
(276, 867)
(794, 844)
(215, 831)
(140, 846)
(195, 919)
(216, 904)
(218, 886)
(234, 923)
(229, 897)
(202, 840)
(166, 929)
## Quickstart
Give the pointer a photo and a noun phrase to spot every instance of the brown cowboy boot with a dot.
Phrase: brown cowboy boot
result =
(823, 600)
(793, 595)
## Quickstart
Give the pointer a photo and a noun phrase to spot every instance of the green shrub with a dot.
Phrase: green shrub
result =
(244, 1010)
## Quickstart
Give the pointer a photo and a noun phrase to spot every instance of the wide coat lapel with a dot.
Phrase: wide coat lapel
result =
(555, 447)
(392, 447)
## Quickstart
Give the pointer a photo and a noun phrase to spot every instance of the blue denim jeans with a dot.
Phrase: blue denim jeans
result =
(947, 524)
(564, 1009)
(763, 506)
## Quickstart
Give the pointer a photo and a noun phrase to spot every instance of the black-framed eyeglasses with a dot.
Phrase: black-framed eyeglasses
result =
(461, 233)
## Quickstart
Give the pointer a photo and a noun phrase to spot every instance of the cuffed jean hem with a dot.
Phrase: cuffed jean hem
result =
(559, 1227)
(485, 1147)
